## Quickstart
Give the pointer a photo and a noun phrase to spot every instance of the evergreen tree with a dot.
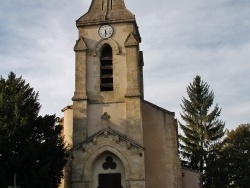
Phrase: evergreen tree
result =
(202, 129)
(31, 146)
(217, 173)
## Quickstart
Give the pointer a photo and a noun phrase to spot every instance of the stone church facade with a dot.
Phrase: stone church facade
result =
(117, 139)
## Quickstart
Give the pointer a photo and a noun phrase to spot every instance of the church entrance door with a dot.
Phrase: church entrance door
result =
(110, 180)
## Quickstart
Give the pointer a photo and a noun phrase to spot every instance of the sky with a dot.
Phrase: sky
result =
(180, 39)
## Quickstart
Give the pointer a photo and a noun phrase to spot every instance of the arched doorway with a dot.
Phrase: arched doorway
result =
(108, 171)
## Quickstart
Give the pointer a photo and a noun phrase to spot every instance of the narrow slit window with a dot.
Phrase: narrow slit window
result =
(106, 72)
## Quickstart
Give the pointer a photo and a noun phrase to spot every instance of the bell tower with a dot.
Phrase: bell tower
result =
(107, 137)
(116, 138)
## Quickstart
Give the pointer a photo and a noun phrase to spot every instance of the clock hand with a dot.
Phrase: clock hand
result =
(105, 32)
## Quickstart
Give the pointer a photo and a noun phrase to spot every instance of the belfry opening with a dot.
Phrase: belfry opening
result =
(106, 72)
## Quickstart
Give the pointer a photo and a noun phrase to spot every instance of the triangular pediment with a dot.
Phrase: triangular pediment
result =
(118, 137)
(131, 40)
(80, 45)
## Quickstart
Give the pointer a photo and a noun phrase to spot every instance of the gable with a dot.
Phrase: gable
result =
(116, 137)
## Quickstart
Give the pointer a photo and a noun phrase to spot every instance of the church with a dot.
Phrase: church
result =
(117, 138)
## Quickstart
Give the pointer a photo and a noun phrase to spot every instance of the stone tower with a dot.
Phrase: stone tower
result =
(117, 138)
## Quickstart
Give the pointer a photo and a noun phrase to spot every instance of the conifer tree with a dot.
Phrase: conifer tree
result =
(31, 146)
(202, 128)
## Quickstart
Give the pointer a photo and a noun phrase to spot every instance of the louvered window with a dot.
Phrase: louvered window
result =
(106, 72)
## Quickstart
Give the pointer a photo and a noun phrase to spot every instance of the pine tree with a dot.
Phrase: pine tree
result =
(202, 129)
(31, 146)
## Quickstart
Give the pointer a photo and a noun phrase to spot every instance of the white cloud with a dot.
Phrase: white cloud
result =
(180, 39)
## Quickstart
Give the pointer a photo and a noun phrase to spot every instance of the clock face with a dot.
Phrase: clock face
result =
(105, 31)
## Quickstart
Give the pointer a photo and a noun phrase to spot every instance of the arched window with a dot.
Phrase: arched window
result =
(106, 72)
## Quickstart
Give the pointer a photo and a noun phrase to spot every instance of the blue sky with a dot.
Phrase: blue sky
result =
(180, 39)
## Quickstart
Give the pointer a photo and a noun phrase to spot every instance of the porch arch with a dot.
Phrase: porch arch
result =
(88, 167)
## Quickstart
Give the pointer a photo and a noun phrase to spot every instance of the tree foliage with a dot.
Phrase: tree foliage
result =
(232, 164)
(202, 129)
(237, 152)
(30, 145)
